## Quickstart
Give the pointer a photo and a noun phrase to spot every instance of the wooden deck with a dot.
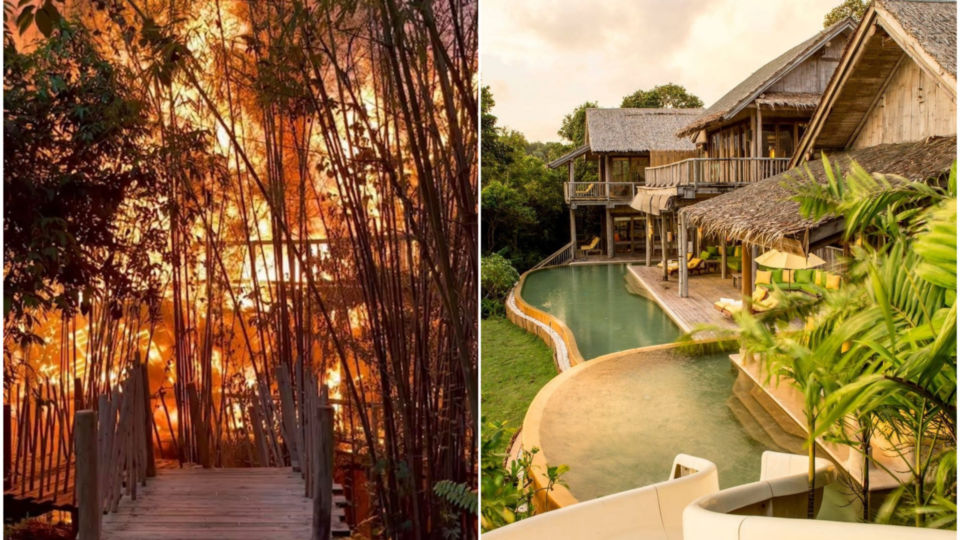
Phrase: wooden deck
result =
(697, 308)
(242, 504)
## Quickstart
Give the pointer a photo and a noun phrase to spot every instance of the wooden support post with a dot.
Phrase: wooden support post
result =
(684, 271)
(77, 394)
(746, 271)
(105, 441)
(759, 139)
(753, 266)
(573, 232)
(148, 421)
(199, 433)
(610, 241)
(723, 257)
(663, 246)
(323, 475)
(87, 479)
(648, 232)
(7, 445)
(289, 416)
(607, 174)
(259, 436)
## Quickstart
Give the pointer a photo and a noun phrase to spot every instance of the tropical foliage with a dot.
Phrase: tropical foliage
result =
(847, 8)
(524, 217)
(876, 360)
(497, 276)
(75, 147)
(508, 492)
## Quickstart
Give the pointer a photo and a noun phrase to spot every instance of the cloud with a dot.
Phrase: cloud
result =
(543, 58)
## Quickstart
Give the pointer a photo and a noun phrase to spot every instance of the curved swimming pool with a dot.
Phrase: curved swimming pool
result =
(592, 300)
(618, 424)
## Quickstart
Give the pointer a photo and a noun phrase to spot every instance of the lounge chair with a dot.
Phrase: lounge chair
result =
(590, 248)
(672, 263)
(728, 306)
(761, 301)
(694, 265)
(584, 190)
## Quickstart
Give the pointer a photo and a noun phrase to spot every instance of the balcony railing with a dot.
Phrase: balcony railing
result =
(696, 171)
(599, 192)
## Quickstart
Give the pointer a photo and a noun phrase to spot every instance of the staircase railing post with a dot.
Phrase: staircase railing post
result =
(148, 421)
(323, 475)
(87, 486)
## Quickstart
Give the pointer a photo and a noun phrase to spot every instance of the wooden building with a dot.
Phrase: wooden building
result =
(775, 101)
(624, 143)
(897, 82)
(890, 106)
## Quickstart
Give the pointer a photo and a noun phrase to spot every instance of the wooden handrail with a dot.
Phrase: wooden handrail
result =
(693, 171)
(113, 449)
(599, 191)
(558, 257)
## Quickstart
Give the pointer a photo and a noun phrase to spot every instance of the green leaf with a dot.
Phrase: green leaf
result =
(25, 19)
(44, 24)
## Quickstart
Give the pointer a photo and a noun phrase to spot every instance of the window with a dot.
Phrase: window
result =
(779, 140)
(628, 169)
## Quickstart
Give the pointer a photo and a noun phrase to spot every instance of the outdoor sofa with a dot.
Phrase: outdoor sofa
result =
(810, 281)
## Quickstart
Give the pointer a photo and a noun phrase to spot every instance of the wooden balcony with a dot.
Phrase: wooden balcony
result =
(599, 192)
(714, 171)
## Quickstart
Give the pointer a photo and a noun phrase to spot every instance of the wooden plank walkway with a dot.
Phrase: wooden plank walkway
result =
(697, 308)
(240, 503)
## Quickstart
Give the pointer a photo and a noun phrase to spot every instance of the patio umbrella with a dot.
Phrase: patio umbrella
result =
(781, 259)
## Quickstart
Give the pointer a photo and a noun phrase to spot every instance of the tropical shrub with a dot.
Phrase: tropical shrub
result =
(508, 492)
(497, 277)
(876, 360)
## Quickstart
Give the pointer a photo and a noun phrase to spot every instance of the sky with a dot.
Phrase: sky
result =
(543, 58)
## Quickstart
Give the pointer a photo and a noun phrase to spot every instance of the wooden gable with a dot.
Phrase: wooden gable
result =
(883, 91)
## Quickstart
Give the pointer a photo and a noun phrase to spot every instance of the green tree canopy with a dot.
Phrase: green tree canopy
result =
(670, 95)
(847, 8)
(75, 154)
(574, 125)
(494, 153)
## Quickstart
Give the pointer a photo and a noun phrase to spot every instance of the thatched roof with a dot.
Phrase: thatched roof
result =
(637, 130)
(743, 94)
(793, 100)
(923, 31)
(933, 23)
(763, 214)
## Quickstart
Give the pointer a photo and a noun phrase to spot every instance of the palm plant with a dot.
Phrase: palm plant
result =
(881, 351)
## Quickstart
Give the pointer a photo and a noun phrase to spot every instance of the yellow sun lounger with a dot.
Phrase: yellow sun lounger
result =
(591, 247)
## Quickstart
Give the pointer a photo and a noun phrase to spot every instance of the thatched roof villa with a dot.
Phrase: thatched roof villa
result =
(747, 135)
(624, 143)
(890, 106)
(783, 92)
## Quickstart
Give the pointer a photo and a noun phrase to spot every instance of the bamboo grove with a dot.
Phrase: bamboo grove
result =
(305, 203)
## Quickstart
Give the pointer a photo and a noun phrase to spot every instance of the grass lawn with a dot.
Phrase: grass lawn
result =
(514, 366)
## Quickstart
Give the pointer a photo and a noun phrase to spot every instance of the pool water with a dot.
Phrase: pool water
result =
(592, 300)
(619, 424)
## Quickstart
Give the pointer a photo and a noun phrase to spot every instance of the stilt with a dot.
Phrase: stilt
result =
(610, 240)
(663, 246)
(746, 271)
(684, 271)
(723, 257)
(573, 232)
(648, 242)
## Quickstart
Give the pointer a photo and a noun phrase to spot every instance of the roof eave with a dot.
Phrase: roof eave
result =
(569, 156)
